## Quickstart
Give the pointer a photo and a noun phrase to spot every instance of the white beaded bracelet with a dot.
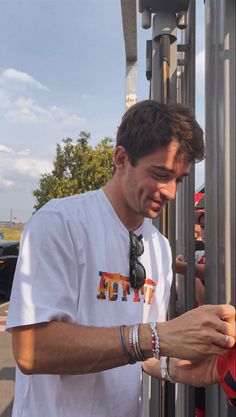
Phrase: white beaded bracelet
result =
(155, 340)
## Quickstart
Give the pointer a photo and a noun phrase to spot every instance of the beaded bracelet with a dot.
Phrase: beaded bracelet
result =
(155, 340)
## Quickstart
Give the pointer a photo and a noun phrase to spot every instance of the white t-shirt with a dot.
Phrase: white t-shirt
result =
(74, 267)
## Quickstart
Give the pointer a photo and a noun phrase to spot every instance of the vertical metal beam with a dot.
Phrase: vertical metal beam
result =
(185, 403)
(163, 88)
(163, 22)
(190, 183)
(129, 21)
(230, 134)
(131, 84)
(220, 165)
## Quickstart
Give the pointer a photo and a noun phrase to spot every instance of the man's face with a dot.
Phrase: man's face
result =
(154, 180)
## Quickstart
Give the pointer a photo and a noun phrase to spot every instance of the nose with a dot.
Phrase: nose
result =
(168, 192)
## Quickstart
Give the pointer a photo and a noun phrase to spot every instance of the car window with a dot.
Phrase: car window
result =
(9, 250)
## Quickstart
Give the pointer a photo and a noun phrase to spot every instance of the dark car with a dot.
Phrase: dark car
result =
(9, 251)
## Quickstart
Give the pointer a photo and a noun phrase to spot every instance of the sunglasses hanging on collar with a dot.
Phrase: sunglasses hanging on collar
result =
(137, 273)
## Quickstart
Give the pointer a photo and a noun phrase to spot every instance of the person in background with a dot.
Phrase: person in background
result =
(181, 264)
(181, 267)
(226, 364)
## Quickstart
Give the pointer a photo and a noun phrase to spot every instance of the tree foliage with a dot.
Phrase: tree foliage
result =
(77, 168)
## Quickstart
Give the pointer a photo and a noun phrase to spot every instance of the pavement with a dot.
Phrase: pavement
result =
(7, 366)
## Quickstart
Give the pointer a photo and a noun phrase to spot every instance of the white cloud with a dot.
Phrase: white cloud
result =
(36, 128)
(5, 149)
(20, 78)
(16, 165)
(24, 152)
(4, 99)
(4, 183)
(63, 117)
(26, 111)
(33, 167)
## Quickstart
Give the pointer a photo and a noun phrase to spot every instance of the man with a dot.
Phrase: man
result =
(93, 266)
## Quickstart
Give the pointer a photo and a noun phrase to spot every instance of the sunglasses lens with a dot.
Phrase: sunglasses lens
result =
(139, 248)
(137, 275)
(137, 270)
(136, 244)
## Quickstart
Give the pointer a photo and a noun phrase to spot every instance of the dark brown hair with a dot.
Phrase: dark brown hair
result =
(149, 125)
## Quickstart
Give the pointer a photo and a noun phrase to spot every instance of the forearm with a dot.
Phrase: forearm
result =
(64, 348)
(200, 291)
(180, 267)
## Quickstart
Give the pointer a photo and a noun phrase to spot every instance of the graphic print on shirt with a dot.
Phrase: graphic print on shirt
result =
(109, 286)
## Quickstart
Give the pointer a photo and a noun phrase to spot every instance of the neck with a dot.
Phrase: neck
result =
(130, 219)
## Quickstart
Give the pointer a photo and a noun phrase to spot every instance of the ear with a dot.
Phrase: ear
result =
(120, 158)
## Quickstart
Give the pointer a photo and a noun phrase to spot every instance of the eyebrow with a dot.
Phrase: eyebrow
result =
(163, 169)
(166, 170)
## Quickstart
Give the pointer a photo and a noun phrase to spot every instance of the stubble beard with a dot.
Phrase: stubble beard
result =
(150, 213)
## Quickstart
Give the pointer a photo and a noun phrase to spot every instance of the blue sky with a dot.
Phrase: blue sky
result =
(62, 70)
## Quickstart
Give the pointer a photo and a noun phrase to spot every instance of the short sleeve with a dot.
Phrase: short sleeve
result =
(45, 285)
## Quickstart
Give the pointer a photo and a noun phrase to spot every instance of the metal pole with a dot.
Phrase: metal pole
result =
(129, 20)
(220, 166)
(163, 87)
(185, 403)
(131, 84)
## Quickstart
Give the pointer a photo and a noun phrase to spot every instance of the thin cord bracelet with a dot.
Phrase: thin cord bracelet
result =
(168, 373)
(135, 341)
(142, 359)
(165, 370)
(123, 343)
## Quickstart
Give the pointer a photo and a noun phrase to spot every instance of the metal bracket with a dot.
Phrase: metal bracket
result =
(171, 6)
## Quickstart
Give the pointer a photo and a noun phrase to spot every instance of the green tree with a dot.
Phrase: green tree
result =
(77, 168)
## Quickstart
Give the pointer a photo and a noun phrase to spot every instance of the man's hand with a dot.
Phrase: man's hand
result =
(197, 374)
(198, 333)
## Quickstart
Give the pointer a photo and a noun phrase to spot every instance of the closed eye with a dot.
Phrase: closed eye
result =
(161, 177)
